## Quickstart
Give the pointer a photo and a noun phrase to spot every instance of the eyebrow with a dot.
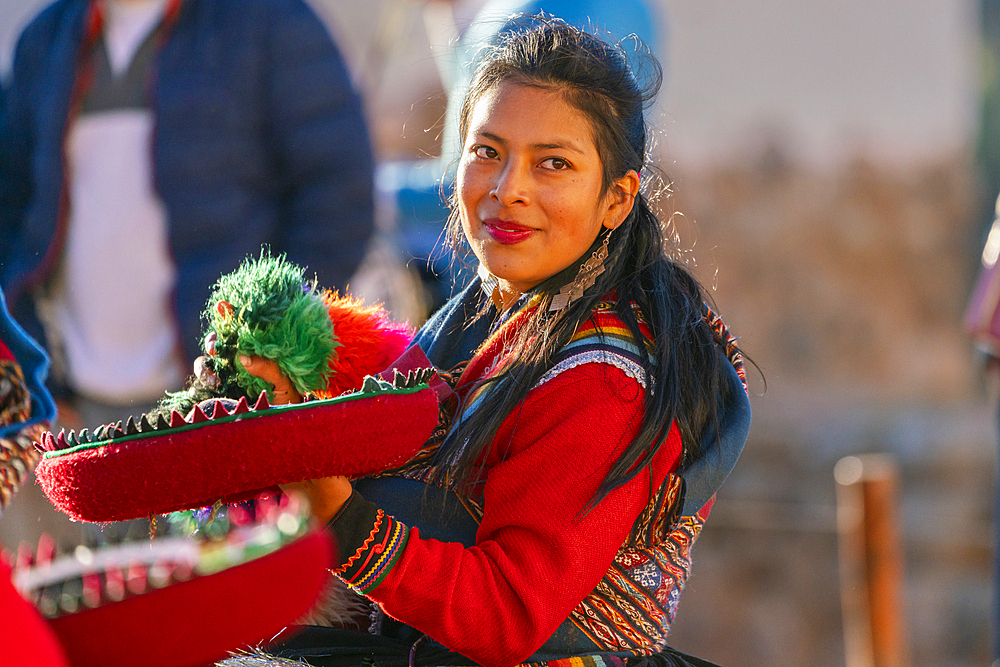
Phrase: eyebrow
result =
(540, 146)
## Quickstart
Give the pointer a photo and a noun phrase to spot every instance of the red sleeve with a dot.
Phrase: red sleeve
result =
(535, 557)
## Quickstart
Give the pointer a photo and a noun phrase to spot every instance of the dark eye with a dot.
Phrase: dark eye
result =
(556, 163)
(485, 152)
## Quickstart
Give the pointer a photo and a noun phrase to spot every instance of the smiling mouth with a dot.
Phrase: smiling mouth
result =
(507, 233)
(503, 226)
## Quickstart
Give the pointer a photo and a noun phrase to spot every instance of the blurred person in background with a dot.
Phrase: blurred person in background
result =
(148, 147)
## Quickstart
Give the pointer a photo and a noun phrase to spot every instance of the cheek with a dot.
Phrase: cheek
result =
(467, 190)
(470, 237)
(577, 217)
(465, 204)
(471, 188)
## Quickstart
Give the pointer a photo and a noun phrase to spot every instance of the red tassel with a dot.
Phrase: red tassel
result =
(266, 507)
(239, 516)
(262, 403)
(183, 571)
(176, 419)
(114, 584)
(46, 550)
(24, 557)
(135, 579)
(91, 590)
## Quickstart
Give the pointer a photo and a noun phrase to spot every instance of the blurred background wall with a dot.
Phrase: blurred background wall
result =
(825, 187)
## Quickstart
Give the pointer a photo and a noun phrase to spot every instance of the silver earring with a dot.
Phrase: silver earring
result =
(491, 286)
(585, 277)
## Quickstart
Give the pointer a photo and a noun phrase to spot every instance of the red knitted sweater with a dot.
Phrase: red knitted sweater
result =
(535, 557)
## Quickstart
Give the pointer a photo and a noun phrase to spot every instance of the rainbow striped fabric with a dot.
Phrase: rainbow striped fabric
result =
(380, 552)
(604, 338)
(581, 661)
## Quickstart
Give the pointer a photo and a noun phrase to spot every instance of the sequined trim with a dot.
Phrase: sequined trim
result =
(626, 365)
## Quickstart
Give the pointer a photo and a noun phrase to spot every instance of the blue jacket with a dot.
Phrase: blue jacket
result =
(259, 139)
(34, 364)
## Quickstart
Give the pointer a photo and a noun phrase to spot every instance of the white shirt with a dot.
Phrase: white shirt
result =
(111, 300)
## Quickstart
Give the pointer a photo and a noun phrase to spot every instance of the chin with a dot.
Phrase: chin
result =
(508, 276)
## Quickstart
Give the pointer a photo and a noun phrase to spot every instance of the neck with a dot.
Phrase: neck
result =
(508, 295)
(504, 295)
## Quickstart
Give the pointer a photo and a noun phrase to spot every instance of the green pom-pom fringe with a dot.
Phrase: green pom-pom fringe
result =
(276, 313)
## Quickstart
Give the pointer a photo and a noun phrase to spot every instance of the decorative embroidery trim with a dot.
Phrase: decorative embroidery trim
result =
(603, 338)
(364, 546)
(635, 603)
(15, 402)
(18, 457)
(662, 513)
(624, 364)
(729, 342)
(380, 558)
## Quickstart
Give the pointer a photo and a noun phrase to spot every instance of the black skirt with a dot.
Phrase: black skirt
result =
(332, 647)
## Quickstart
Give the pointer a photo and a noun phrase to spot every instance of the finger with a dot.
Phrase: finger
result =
(204, 373)
(262, 367)
(210, 342)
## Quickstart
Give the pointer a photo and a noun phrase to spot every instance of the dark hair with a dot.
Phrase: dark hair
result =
(682, 368)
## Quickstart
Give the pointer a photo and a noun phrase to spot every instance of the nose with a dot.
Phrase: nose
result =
(512, 186)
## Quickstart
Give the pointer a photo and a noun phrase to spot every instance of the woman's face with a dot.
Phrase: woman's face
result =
(529, 185)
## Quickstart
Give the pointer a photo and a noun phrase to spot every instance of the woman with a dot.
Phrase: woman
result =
(600, 403)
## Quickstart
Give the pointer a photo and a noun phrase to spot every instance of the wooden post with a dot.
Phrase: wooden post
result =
(871, 561)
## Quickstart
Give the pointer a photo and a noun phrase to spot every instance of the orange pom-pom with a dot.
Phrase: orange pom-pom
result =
(368, 342)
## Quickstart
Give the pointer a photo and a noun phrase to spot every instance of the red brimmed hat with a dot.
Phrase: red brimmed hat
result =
(233, 453)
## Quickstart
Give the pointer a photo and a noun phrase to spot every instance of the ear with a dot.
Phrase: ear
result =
(621, 199)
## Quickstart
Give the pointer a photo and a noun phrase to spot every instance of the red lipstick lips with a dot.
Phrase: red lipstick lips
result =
(507, 233)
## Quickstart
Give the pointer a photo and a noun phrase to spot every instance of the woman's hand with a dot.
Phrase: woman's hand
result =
(268, 370)
(327, 494)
